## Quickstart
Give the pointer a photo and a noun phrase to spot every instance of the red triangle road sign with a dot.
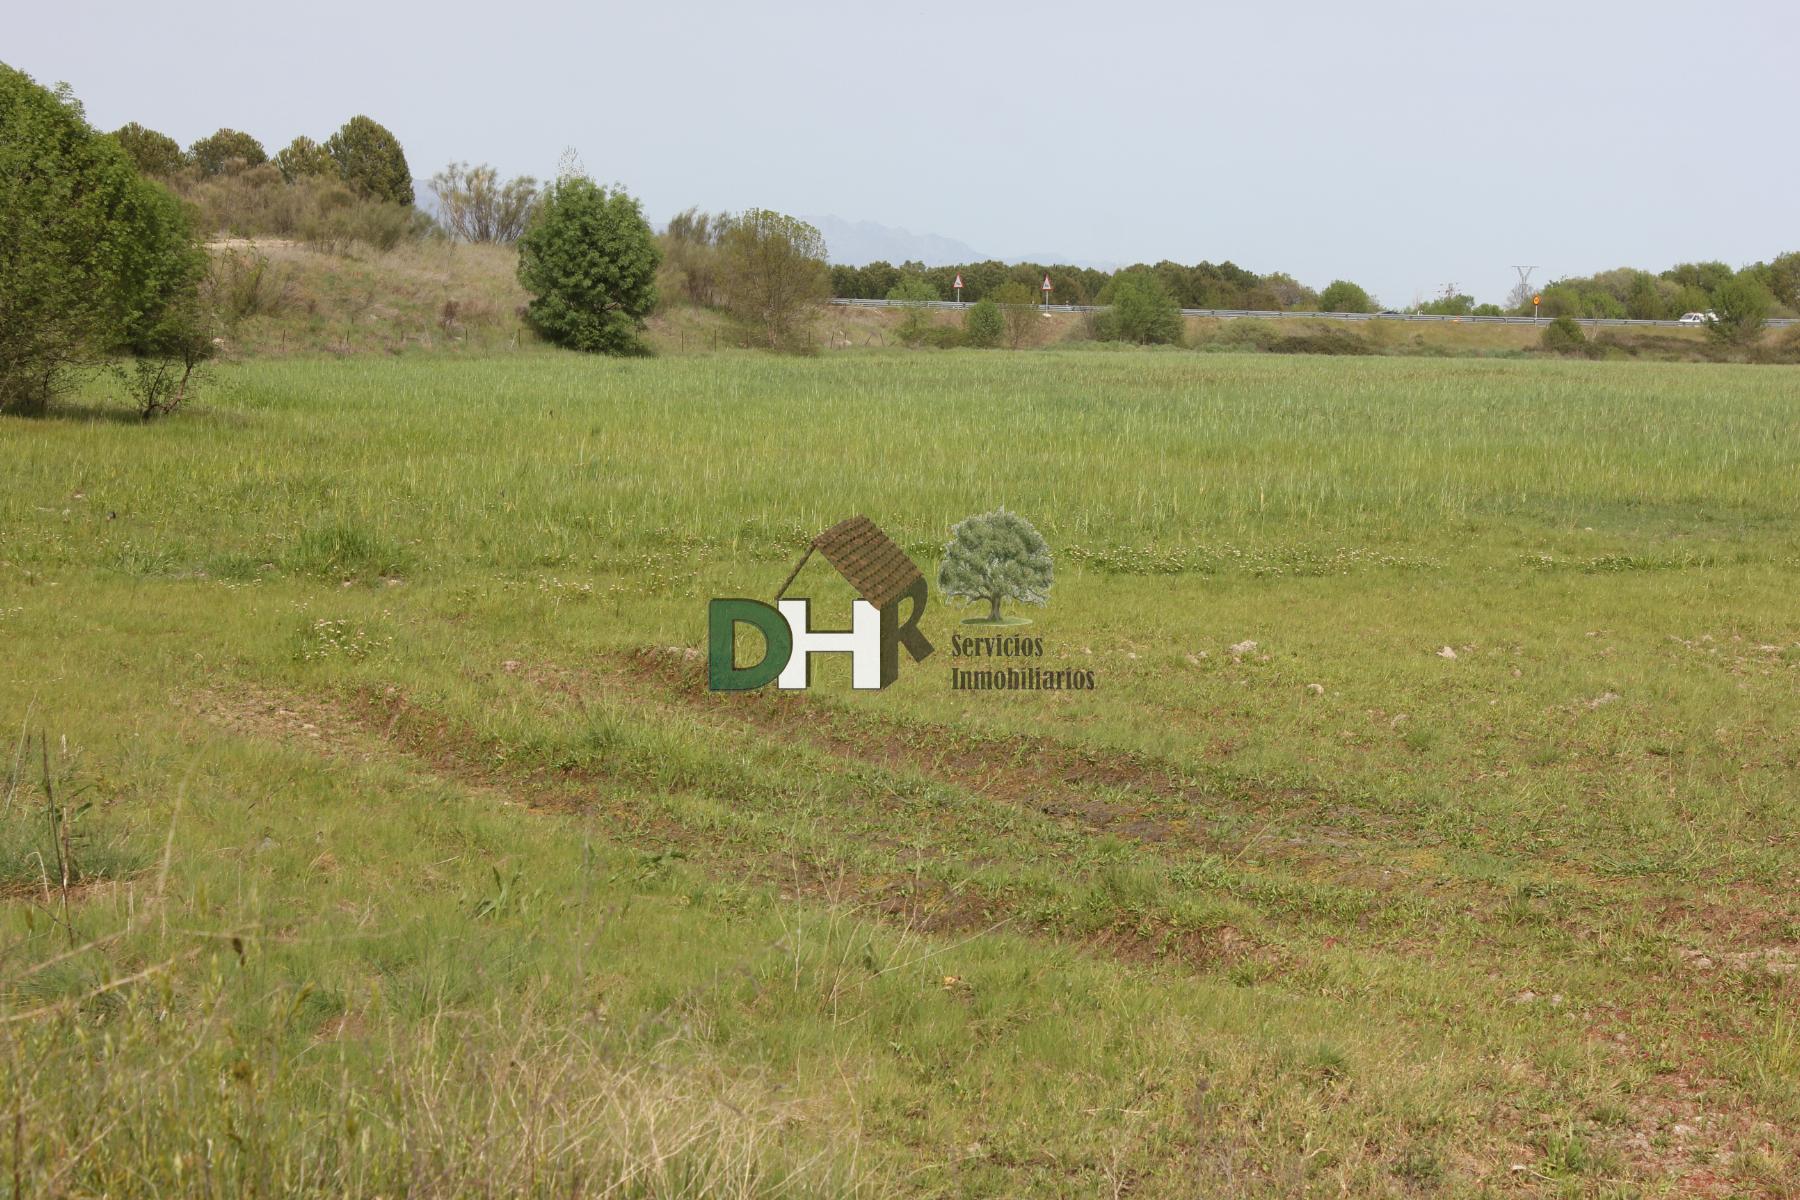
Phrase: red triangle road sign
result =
(1046, 283)
(959, 281)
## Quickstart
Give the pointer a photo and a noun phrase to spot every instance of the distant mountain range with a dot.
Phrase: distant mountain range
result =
(856, 243)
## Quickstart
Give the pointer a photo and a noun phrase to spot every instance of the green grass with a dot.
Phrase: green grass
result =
(410, 854)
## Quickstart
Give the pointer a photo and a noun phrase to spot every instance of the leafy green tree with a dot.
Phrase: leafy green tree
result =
(213, 154)
(370, 160)
(1342, 296)
(993, 557)
(589, 261)
(773, 271)
(984, 325)
(304, 158)
(96, 257)
(1143, 311)
(152, 153)
(1741, 308)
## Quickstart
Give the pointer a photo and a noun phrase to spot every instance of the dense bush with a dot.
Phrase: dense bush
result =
(1342, 296)
(1563, 336)
(304, 158)
(212, 155)
(983, 325)
(1325, 341)
(369, 159)
(1141, 311)
(589, 260)
(98, 259)
(1741, 307)
(1247, 333)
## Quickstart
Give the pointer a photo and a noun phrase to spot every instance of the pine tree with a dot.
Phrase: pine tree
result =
(993, 557)
(152, 153)
(370, 160)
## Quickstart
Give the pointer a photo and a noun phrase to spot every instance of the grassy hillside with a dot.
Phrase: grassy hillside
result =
(1428, 831)
(283, 299)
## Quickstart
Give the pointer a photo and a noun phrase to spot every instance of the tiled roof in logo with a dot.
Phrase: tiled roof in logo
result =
(877, 568)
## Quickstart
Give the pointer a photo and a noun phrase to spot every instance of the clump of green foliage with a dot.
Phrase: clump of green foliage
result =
(1740, 310)
(304, 158)
(1142, 311)
(1564, 335)
(916, 323)
(589, 261)
(984, 325)
(1342, 296)
(98, 259)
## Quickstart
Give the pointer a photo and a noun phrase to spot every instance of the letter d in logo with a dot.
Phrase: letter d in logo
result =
(722, 619)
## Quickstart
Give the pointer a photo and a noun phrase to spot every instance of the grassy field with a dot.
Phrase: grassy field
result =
(1429, 830)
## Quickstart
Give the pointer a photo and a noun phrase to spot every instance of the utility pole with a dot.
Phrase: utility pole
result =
(1523, 292)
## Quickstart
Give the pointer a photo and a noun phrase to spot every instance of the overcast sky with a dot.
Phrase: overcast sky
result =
(1402, 145)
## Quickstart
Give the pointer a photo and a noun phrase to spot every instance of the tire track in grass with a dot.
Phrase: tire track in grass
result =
(373, 722)
(382, 721)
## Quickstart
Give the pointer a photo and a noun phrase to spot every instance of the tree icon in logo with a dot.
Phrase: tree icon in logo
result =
(993, 557)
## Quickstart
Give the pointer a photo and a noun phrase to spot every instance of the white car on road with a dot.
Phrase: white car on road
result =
(1698, 318)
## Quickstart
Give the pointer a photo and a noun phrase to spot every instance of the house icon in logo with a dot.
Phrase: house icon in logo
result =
(884, 578)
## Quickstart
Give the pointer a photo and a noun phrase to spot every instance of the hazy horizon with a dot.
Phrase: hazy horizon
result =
(1405, 146)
